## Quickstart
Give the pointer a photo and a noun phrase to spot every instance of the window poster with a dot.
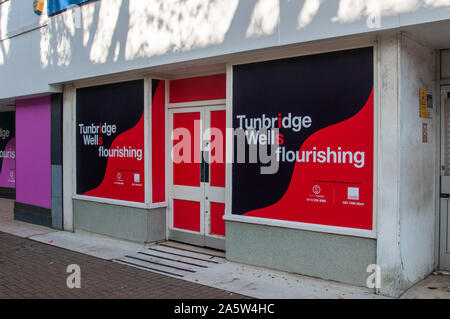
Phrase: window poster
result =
(110, 141)
(7, 150)
(309, 122)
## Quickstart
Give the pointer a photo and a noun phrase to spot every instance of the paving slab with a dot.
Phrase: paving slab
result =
(9, 225)
(209, 268)
(270, 284)
(90, 244)
(435, 286)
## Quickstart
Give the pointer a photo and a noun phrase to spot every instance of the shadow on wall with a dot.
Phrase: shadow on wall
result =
(127, 30)
(353, 10)
(114, 30)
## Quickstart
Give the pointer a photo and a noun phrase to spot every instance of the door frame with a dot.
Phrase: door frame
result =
(202, 238)
(182, 235)
(443, 208)
(212, 240)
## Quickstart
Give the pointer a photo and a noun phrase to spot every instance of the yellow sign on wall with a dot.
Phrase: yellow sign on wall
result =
(423, 103)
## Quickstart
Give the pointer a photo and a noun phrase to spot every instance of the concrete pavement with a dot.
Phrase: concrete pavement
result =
(33, 263)
(29, 269)
(435, 286)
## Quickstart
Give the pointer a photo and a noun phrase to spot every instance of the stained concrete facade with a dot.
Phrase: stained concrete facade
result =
(408, 176)
(328, 256)
(134, 224)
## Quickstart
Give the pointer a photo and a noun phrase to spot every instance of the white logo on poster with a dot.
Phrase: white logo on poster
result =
(119, 176)
(316, 189)
(137, 178)
(12, 176)
(353, 193)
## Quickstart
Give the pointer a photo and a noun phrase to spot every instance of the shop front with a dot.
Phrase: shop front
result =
(284, 147)
(127, 184)
(297, 137)
(283, 160)
(302, 195)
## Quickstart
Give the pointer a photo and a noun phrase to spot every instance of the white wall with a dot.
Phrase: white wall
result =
(407, 168)
(418, 161)
(122, 35)
(17, 16)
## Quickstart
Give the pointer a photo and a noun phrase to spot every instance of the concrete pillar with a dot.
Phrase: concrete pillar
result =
(68, 155)
(407, 165)
(388, 133)
(56, 160)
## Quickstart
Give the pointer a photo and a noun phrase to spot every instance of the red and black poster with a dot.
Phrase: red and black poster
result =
(7, 150)
(314, 117)
(110, 141)
(158, 142)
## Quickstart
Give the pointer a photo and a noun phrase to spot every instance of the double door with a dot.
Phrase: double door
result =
(197, 175)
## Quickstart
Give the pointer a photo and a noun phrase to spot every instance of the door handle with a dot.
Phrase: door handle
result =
(204, 167)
